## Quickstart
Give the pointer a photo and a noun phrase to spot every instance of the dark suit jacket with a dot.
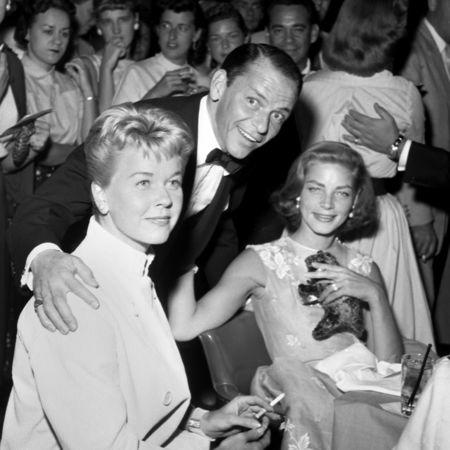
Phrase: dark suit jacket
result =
(428, 166)
(209, 237)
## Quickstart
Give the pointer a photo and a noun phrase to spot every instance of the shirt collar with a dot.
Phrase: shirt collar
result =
(34, 69)
(307, 69)
(440, 43)
(207, 140)
(125, 258)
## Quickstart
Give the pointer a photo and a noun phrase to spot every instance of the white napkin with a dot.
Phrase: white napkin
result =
(357, 369)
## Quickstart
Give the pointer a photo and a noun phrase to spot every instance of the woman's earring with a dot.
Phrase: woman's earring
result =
(99, 32)
(297, 202)
(136, 26)
(351, 213)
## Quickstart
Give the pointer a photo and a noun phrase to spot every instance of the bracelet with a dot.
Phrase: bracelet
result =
(90, 98)
(394, 149)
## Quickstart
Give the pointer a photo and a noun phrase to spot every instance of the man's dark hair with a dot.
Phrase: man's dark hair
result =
(238, 61)
(307, 4)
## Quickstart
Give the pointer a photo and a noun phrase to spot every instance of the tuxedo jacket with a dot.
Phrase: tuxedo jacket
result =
(208, 237)
(428, 167)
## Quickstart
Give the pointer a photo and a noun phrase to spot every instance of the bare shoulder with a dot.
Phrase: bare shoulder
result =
(247, 265)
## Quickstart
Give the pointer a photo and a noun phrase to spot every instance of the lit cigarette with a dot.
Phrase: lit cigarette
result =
(272, 403)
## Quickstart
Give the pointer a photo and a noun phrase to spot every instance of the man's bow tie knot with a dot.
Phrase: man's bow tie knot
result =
(220, 158)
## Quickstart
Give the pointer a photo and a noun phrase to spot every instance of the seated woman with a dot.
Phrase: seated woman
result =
(117, 21)
(179, 27)
(327, 194)
(119, 382)
(45, 29)
(359, 53)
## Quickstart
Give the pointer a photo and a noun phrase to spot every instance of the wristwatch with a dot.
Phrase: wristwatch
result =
(394, 149)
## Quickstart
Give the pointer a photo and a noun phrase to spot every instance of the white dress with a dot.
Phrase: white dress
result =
(327, 96)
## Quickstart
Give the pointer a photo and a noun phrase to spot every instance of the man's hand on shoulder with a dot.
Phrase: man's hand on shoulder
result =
(55, 274)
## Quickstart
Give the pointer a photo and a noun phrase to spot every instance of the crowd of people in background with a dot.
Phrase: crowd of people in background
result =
(372, 76)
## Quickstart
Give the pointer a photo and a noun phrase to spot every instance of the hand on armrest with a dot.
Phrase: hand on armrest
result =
(54, 275)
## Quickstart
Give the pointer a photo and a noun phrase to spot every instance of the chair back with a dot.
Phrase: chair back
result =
(234, 351)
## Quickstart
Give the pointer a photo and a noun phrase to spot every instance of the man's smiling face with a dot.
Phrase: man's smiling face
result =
(250, 111)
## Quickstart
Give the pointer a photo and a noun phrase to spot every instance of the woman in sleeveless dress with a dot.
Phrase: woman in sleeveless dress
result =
(328, 193)
(358, 55)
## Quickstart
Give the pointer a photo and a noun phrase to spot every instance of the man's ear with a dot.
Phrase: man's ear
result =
(218, 85)
(100, 200)
(315, 30)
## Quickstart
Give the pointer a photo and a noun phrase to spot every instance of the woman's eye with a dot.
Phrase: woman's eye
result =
(143, 184)
(343, 194)
(175, 183)
(313, 189)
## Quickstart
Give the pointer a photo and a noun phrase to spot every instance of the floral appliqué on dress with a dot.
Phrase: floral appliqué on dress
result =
(303, 443)
(279, 260)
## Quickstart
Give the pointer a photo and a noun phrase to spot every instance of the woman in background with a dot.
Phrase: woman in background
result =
(179, 27)
(117, 22)
(225, 31)
(45, 29)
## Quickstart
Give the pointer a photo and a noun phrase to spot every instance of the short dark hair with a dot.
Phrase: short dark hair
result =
(365, 36)
(109, 5)
(365, 213)
(238, 61)
(223, 11)
(307, 4)
(179, 6)
(31, 8)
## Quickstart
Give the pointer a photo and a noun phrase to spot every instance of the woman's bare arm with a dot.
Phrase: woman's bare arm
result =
(189, 318)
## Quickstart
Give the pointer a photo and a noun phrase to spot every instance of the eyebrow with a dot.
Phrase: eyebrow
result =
(261, 95)
(345, 186)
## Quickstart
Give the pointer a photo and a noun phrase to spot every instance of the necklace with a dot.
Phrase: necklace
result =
(315, 250)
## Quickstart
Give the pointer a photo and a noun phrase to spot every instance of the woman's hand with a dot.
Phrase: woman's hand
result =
(344, 281)
(174, 81)
(255, 439)
(113, 51)
(78, 72)
(236, 415)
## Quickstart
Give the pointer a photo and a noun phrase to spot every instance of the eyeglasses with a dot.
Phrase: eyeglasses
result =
(182, 28)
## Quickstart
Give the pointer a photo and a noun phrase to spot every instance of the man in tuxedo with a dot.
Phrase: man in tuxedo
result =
(250, 98)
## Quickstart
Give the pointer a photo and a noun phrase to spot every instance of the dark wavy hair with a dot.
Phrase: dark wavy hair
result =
(241, 58)
(365, 36)
(223, 11)
(108, 5)
(31, 8)
(365, 212)
(197, 53)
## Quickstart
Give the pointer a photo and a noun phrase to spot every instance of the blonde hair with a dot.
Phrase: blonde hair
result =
(134, 127)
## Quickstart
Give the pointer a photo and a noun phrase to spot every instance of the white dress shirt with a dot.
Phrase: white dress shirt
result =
(207, 176)
(118, 382)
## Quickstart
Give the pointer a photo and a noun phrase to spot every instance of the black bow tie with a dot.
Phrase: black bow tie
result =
(220, 158)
